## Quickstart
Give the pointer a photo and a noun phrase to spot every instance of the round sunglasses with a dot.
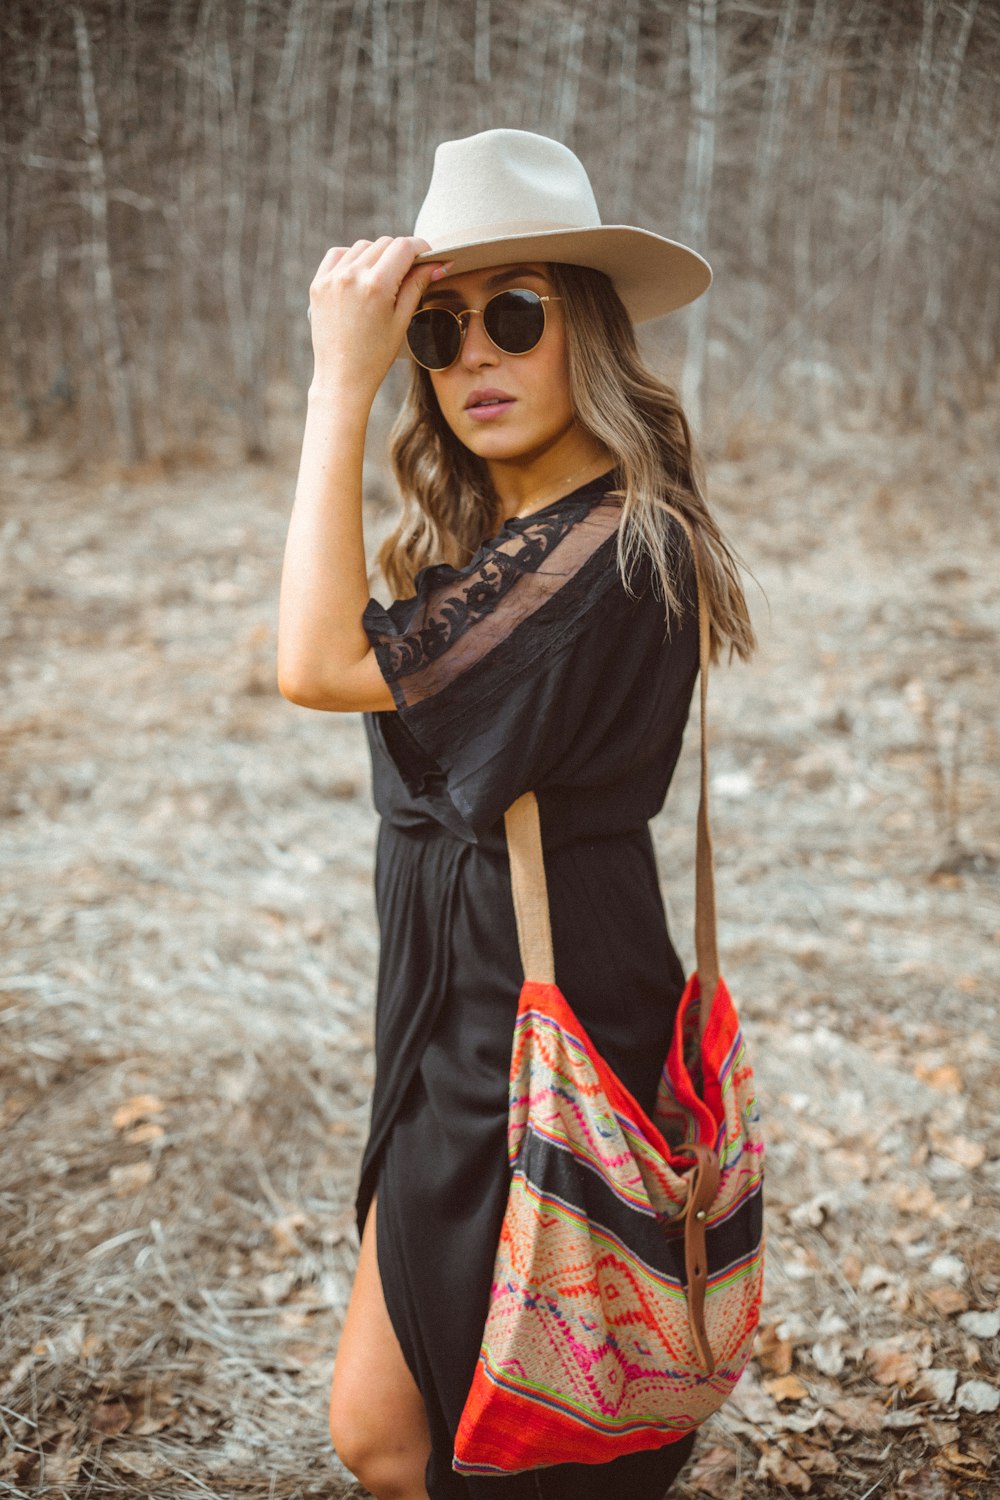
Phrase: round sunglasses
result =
(514, 321)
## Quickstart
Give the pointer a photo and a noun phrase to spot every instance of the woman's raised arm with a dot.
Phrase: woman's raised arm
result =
(361, 300)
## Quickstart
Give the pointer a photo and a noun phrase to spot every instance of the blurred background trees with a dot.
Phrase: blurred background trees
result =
(172, 172)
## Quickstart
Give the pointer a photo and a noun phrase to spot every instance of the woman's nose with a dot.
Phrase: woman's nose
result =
(477, 345)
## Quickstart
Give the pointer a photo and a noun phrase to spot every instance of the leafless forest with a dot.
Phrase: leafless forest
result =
(187, 930)
(173, 172)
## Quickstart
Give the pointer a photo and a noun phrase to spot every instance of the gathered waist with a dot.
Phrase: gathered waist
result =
(555, 835)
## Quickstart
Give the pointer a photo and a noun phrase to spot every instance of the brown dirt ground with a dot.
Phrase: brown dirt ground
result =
(190, 944)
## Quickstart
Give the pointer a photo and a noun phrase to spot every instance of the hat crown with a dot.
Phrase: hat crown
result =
(497, 181)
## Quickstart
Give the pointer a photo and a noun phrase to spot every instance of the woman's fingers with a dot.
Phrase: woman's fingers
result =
(361, 299)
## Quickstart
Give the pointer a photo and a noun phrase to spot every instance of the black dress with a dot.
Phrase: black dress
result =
(530, 668)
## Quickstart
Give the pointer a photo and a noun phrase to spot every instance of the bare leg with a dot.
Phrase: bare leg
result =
(377, 1420)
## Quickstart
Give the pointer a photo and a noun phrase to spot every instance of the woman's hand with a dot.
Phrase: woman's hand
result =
(360, 301)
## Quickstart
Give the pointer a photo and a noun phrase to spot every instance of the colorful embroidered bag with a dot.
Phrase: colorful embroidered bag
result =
(628, 1276)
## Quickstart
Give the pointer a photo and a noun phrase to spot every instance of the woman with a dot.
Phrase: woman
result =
(543, 637)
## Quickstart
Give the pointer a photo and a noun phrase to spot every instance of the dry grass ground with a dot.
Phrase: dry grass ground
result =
(190, 945)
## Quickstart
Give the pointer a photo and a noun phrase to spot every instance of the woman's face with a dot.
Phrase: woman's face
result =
(536, 411)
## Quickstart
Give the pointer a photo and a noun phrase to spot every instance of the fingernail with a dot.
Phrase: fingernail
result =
(440, 270)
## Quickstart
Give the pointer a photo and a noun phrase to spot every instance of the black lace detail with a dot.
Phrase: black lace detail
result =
(492, 578)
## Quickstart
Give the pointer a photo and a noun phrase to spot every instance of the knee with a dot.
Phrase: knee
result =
(385, 1465)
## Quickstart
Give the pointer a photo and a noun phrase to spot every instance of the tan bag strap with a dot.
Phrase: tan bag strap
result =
(527, 865)
(531, 897)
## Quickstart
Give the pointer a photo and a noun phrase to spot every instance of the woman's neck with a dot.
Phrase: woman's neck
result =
(540, 488)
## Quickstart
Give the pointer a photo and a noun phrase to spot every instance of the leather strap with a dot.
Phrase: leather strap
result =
(524, 842)
(534, 937)
(531, 898)
(706, 944)
(703, 1184)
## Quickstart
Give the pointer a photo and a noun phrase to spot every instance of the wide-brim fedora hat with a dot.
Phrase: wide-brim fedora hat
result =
(503, 196)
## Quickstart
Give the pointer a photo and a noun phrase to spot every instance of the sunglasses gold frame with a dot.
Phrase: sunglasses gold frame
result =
(463, 327)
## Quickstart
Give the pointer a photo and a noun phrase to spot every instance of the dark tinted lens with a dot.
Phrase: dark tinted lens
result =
(515, 320)
(434, 337)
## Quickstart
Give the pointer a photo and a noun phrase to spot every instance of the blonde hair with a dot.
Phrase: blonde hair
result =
(449, 505)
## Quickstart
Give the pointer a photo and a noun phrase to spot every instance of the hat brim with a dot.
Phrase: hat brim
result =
(651, 274)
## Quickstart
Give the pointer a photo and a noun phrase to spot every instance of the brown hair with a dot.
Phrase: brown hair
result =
(450, 506)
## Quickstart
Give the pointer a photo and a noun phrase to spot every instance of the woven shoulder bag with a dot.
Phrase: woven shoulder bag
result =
(628, 1276)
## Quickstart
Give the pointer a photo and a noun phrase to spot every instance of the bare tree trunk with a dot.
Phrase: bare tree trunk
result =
(429, 43)
(408, 106)
(481, 55)
(568, 93)
(937, 256)
(767, 157)
(273, 218)
(380, 138)
(116, 367)
(340, 159)
(702, 18)
(16, 337)
(807, 205)
(883, 388)
(626, 135)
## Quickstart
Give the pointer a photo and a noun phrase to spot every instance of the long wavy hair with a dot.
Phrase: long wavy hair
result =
(449, 505)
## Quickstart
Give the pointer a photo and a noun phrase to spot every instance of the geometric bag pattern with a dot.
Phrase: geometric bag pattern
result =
(628, 1277)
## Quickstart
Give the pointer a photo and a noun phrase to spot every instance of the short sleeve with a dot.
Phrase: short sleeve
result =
(501, 669)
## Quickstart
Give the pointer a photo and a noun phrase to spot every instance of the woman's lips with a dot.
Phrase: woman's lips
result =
(490, 409)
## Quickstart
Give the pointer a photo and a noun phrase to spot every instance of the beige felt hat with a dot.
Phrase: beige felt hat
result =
(510, 195)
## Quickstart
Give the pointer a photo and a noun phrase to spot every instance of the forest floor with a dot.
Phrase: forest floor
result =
(188, 970)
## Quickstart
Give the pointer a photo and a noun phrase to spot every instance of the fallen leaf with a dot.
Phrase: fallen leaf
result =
(848, 1166)
(62, 1468)
(771, 1351)
(935, 1385)
(283, 1230)
(129, 1179)
(918, 1200)
(831, 1321)
(982, 1325)
(714, 1473)
(958, 1148)
(949, 1268)
(939, 1430)
(275, 1287)
(828, 1356)
(139, 1107)
(774, 1464)
(110, 1418)
(151, 1406)
(859, 1413)
(892, 1361)
(786, 1388)
(852, 1268)
(971, 1354)
(948, 1299)
(945, 1077)
(18, 1465)
(149, 1131)
(903, 1417)
(145, 1465)
(873, 1276)
(977, 1395)
(751, 1401)
(799, 1419)
(812, 1213)
(924, 1484)
(968, 1465)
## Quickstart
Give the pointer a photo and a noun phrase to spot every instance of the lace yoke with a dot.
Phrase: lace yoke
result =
(459, 615)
